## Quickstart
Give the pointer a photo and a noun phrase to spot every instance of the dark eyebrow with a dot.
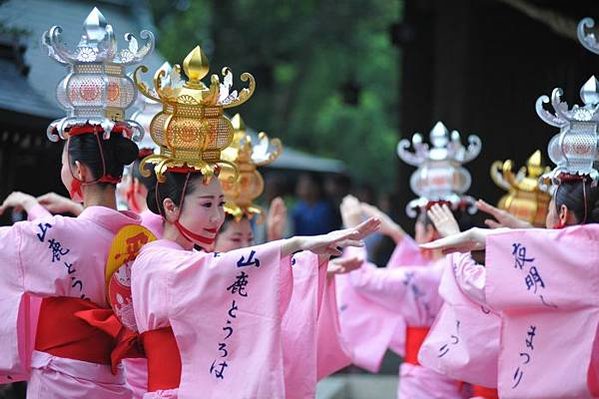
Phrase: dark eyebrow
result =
(211, 196)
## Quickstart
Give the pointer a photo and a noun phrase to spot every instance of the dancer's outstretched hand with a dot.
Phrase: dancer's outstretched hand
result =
(443, 219)
(332, 244)
(502, 218)
(18, 201)
(343, 265)
(55, 203)
(467, 241)
(276, 220)
(388, 226)
(351, 212)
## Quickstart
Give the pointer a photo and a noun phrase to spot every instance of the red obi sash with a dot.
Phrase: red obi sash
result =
(487, 393)
(414, 338)
(79, 329)
(164, 359)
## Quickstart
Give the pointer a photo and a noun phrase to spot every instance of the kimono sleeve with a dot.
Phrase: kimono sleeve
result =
(16, 330)
(333, 353)
(366, 327)
(463, 342)
(470, 277)
(299, 327)
(387, 288)
(406, 253)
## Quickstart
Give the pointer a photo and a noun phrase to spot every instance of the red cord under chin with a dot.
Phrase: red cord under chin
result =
(193, 237)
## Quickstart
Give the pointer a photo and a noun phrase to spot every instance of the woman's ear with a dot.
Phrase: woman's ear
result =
(564, 215)
(76, 170)
(81, 172)
(171, 211)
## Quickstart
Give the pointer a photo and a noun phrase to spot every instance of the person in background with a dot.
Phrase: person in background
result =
(312, 214)
(336, 187)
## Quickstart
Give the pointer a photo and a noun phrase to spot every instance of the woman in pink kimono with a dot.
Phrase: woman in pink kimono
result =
(62, 260)
(243, 293)
(132, 192)
(550, 301)
(409, 291)
(313, 320)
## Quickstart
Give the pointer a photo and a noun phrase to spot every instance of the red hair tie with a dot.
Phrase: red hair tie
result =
(109, 179)
(430, 204)
(122, 128)
(567, 177)
(181, 169)
(86, 128)
(144, 152)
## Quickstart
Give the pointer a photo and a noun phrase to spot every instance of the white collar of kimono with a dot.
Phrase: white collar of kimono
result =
(108, 218)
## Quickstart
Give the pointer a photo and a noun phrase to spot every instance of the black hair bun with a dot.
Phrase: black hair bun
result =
(125, 150)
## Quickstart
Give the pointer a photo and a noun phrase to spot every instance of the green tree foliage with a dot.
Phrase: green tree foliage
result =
(327, 73)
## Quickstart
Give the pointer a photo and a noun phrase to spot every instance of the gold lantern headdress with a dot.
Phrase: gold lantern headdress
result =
(525, 198)
(247, 156)
(191, 130)
(96, 90)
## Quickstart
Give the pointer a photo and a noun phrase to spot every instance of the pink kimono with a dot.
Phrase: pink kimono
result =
(136, 375)
(545, 283)
(406, 253)
(367, 328)
(225, 312)
(37, 212)
(332, 353)
(312, 346)
(55, 257)
(464, 341)
(412, 293)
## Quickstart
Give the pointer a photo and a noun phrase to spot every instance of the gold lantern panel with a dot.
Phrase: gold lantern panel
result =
(524, 199)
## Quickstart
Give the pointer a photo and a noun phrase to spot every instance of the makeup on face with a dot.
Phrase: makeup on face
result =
(202, 213)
